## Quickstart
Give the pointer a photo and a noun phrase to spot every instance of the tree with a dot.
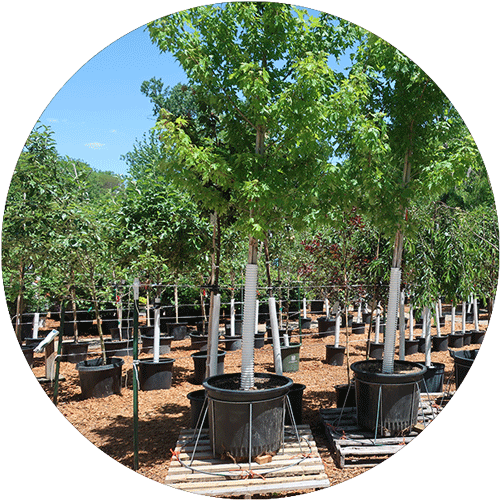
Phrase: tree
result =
(263, 69)
(407, 146)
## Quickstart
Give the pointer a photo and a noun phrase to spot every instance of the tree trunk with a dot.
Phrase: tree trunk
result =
(19, 303)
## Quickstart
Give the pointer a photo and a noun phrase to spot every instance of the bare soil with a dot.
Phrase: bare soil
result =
(108, 422)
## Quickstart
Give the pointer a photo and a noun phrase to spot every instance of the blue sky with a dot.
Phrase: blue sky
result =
(99, 113)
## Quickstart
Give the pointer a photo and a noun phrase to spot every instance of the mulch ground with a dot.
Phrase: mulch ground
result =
(108, 422)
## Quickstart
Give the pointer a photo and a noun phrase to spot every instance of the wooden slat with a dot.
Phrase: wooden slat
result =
(210, 475)
(353, 446)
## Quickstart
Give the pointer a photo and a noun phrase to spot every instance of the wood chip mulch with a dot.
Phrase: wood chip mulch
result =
(108, 422)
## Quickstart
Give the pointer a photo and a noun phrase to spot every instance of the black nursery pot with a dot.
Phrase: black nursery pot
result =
(305, 323)
(197, 400)
(477, 336)
(148, 344)
(295, 398)
(200, 364)
(468, 337)
(463, 361)
(259, 340)
(346, 395)
(154, 376)
(317, 306)
(118, 347)
(456, 340)
(421, 344)
(440, 344)
(387, 403)
(349, 320)
(238, 328)
(28, 354)
(232, 343)
(358, 328)
(74, 352)
(376, 350)
(98, 380)
(177, 330)
(433, 378)
(411, 346)
(326, 326)
(246, 423)
(334, 355)
(199, 342)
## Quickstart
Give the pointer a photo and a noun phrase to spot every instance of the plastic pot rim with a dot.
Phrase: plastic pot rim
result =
(388, 378)
(204, 354)
(240, 395)
(161, 361)
(82, 366)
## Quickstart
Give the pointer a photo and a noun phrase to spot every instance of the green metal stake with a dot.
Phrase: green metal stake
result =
(135, 373)
(59, 350)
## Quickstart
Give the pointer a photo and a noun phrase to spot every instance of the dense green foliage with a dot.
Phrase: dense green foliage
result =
(267, 138)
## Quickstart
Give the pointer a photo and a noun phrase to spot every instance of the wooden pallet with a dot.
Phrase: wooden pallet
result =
(293, 468)
(353, 446)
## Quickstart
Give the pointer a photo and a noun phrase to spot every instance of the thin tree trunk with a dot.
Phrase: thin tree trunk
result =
(19, 303)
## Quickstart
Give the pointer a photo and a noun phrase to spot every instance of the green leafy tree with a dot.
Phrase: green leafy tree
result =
(407, 146)
(264, 71)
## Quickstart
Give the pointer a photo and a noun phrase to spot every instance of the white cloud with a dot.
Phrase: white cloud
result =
(52, 120)
(95, 145)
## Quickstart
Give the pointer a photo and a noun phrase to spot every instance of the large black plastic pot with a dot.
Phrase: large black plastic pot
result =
(177, 330)
(246, 423)
(118, 347)
(456, 340)
(74, 352)
(358, 328)
(376, 350)
(433, 378)
(197, 400)
(477, 336)
(154, 376)
(28, 354)
(232, 343)
(411, 347)
(334, 355)
(440, 343)
(98, 380)
(346, 395)
(290, 356)
(200, 364)
(295, 397)
(463, 361)
(387, 403)
(148, 344)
